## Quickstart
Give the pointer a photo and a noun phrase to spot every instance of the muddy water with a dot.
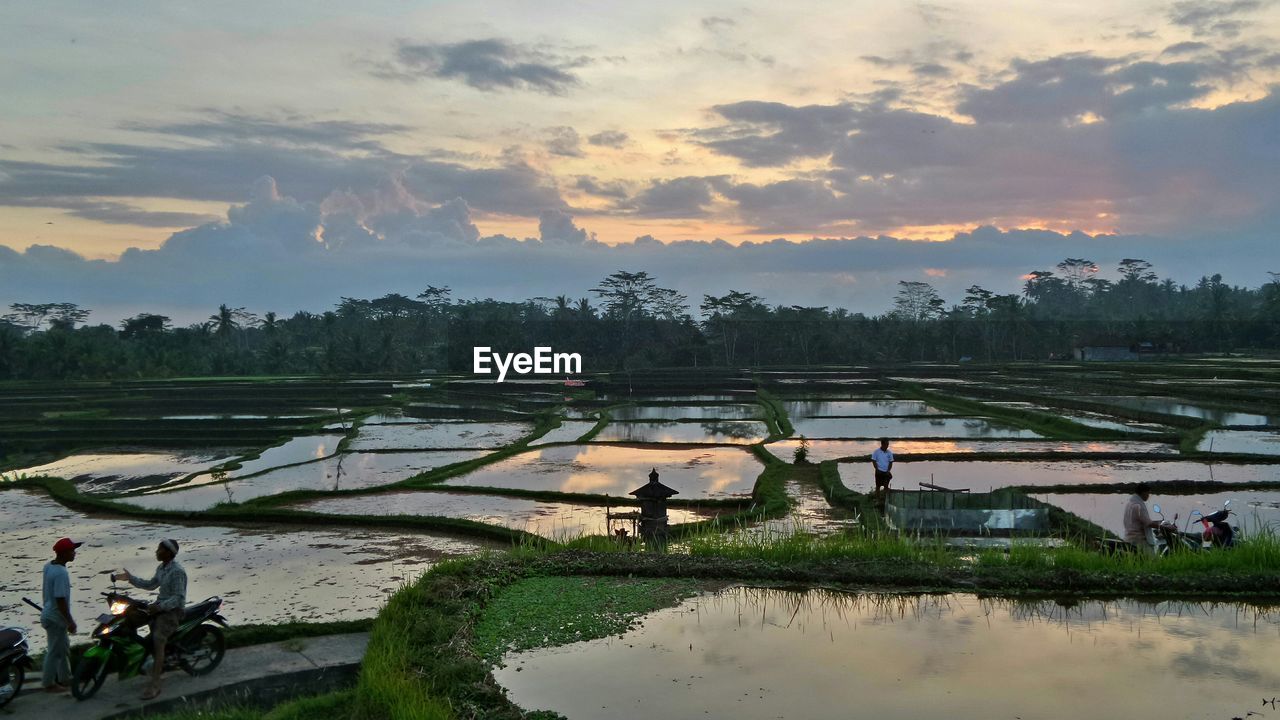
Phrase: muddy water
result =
(980, 476)
(555, 520)
(761, 654)
(820, 450)
(264, 574)
(1241, 441)
(942, 427)
(121, 472)
(1253, 510)
(735, 432)
(617, 470)
(439, 436)
(344, 472)
(856, 408)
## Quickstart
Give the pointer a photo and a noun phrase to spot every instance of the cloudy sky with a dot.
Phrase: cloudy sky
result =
(166, 157)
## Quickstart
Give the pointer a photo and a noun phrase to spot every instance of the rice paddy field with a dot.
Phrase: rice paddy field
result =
(308, 499)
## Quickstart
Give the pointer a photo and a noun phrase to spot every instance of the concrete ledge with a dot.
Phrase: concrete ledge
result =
(264, 692)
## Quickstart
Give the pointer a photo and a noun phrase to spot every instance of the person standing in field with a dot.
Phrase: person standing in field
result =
(882, 463)
(55, 616)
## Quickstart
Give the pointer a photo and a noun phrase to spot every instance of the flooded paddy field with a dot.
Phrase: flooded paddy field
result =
(125, 471)
(1174, 406)
(553, 520)
(767, 653)
(1253, 442)
(907, 427)
(265, 574)
(1253, 511)
(812, 408)
(984, 475)
(687, 412)
(617, 470)
(439, 436)
(569, 431)
(736, 432)
(820, 450)
(349, 471)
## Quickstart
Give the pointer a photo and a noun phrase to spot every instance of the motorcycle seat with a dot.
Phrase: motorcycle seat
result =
(200, 608)
(9, 637)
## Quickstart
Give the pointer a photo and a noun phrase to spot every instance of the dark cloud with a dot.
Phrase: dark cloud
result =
(1068, 86)
(682, 197)
(1212, 17)
(716, 23)
(770, 133)
(285, 129)
(609, 138)
(594, 186)
(114, 213)
(306, 256)
(1189, 47)
(311, 159)
(490, 65)
(932, 70)
(879, 61)
(564, 141)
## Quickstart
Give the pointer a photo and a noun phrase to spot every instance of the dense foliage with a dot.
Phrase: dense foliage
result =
(632, 322)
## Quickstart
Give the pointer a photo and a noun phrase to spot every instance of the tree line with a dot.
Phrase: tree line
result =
(629, 321)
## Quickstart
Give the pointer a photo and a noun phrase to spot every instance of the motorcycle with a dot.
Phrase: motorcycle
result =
(197, 647)
(1217, 531)
(15, 661)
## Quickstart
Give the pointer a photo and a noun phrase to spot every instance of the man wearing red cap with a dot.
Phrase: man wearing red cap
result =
(56, 616)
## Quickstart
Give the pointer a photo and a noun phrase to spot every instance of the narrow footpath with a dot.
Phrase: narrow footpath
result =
(255, 675)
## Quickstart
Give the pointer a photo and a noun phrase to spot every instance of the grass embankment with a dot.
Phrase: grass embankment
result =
(775, 416)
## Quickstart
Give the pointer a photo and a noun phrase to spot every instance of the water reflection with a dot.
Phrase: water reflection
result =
(439, 436)
(121, 472)
(1174, 406)
(555, 520)
(738, 432)
(617, 470)
(686, 412)
(1254, 442)
(856, 408)
(942, 427)
(767, 653)
(983, 475)
(820, 450)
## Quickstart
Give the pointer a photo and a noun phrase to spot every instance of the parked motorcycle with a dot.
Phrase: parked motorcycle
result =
(197, 647)
(1217, 531)
(15, 661)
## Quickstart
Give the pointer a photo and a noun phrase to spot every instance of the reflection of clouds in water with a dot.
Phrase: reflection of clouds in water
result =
(895, 656)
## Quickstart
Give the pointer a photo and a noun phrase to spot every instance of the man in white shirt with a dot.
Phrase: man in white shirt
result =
(1138, 524)
(882, 462)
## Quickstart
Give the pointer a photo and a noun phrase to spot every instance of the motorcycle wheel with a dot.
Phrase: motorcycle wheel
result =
(88, 677)
(11, 677)
(202, 650)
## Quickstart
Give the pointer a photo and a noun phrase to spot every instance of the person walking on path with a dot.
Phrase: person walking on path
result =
(55, 617)
(882, 462)
(166, 611)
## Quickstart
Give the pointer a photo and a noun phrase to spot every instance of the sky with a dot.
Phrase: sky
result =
(172, 157)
